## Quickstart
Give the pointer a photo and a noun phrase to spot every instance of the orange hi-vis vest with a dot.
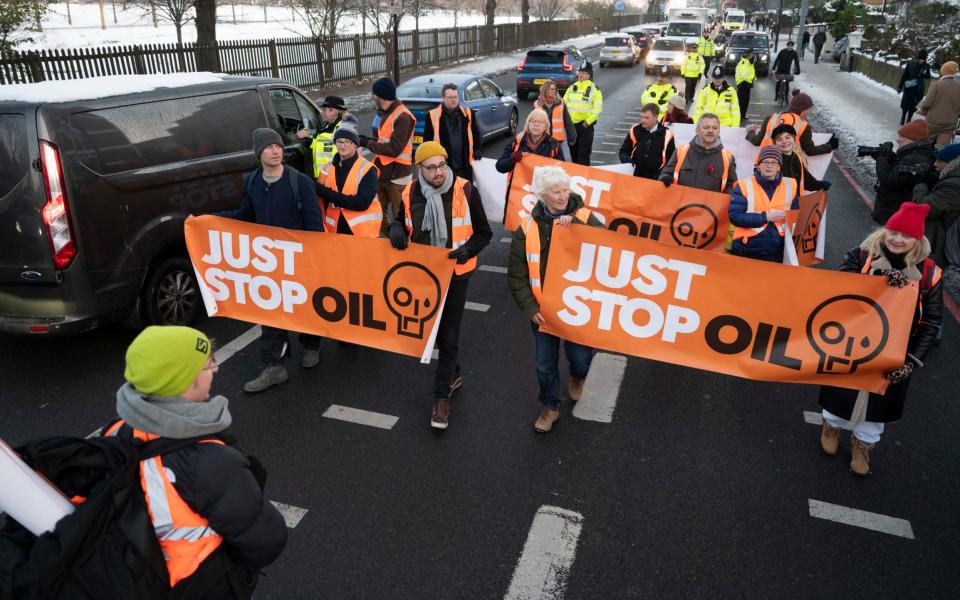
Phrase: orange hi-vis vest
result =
(666, 142)
(385, 132)
(532, 232)
(777, 119)
(363, 223)
(930, 275)
(460, 221)
(186, 538)
(725, 155)
(557, 128)
(758, 202)
(434, 116)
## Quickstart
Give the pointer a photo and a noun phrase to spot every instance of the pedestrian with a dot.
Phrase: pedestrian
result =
(941, 105)
(393, 147)
(660, 91)
(279, 196)
(898, 172)
(796, 116)
(758, 208)
(205, 500)
(775, 30)
(349, 191)
(943, 198)
(647, 145)
(900, 252)
(585, 103)
(706, 48)
(562, 128)
(675, 111)
(720, 99)
(804, 43)
(819, 39)
(703, 163)
(534, 139)
(693, 68)
(321, 146)
(455, 127)
(794, 164)
(745, 75)
(527, 267)
(912, 86)
(443, 210)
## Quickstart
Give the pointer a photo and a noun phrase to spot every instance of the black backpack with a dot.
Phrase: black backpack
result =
(106, 549)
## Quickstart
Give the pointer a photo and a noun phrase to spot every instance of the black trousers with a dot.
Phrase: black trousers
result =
(743, 97)
(580, 152)
(706, 67)
(448, 337)
(816, 53)
(691, 88)
(273, 344)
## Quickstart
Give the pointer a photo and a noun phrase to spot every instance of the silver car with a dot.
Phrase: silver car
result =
(666, 51)
(620, 50)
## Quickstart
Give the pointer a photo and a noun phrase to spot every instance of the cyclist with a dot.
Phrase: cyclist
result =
(781, 66)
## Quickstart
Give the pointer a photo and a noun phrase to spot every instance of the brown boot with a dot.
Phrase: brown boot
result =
(575, 388)
(829, 439)
(440, 419)
(860, 457)
(546, 419)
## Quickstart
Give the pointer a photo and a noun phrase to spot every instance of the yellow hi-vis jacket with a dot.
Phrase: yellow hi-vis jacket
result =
(659, 93)
(723, 103)
(693, 65)
(745, 72)
(584, 102)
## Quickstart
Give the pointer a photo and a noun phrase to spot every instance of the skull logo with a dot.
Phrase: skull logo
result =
(847, 331)
(413, 294)
(694, 226)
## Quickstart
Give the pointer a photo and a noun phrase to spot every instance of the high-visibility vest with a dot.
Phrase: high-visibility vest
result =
(724, 104)
(693, 65)
(705, 46)
(460, 221)
(666, 142)
(725, 156)
(323, 149)
(791, 119)
(558, 128)
(532, 249)
(758, 202)
(185, 537)
(745, 73)
(584, 102)
(363, 223)
(658, 93)
(386, 132)
(434, 116)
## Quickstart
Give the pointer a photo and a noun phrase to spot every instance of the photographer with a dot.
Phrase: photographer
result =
(942, 195)
(898, 172)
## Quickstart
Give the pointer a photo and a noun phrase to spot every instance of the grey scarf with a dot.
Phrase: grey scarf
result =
(176, 418)
(434, 220)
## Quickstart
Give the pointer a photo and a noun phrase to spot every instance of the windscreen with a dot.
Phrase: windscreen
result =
(734, 18)
(420, 90)
(663, 44)
(753, 42)
(684, 29)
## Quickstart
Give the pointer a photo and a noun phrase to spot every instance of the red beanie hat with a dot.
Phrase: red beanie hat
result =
(799, 102)
(915, 130)
(909, 219)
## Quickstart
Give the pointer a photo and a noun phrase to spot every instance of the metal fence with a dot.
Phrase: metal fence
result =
(305, 62)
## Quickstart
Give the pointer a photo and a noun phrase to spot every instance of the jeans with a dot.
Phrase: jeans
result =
(867, 432)
(548, 369)
(273, 344)
(448, 337)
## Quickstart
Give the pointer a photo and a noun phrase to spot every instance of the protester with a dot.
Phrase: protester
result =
(941, 105)
(647, 145)
(279, 196)
(532, 140)
(393, 147)
(585, 103)
(913, 85)
(693, 67)
(899, 251)
(562, 128)
(455, 127)
(443, 210)
(796, 116)
(758, 208)
(943, 198)
(660, 91)
(205, 500)
(322, 149)
(675, 112)
(819, 39)
(745, 75)
(529, 252)
(719, 99)
(703, 163)
(898, 172)
(794, 165)
(349, 191)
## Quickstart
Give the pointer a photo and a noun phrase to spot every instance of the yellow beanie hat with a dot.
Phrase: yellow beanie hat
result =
(429, 150)
(165, 360)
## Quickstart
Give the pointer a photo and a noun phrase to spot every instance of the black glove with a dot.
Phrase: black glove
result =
(364, 140)
(667, 182)
(886, 148)
(834, 142)
(477, 155)
(398, 236)
(461, 254)
(895, 278)
(826, 184)
(898, 375)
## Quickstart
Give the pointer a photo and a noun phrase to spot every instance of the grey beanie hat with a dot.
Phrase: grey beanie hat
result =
(263, 137)
(347, 130)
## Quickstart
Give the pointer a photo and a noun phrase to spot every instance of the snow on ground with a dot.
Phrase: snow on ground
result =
(100, 87)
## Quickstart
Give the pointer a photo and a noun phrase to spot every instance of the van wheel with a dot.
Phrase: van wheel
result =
(171, 296)
(514, 123)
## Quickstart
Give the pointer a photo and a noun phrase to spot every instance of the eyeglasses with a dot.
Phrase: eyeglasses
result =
(343, 141)
(437, 167)
(770, 162)
(213, 365)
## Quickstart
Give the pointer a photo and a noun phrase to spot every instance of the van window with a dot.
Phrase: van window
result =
(14, 155)
(168, 131)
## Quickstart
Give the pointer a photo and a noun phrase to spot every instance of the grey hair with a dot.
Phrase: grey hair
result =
(545, 178)
(537, 114)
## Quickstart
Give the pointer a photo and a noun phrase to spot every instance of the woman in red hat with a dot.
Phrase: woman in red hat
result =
(900, 252)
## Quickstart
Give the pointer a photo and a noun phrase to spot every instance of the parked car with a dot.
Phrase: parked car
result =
(620, 49)
(839, 49)
(667, 51)
(495, 110)
(94, 191)
(740, 42)
(558, 63)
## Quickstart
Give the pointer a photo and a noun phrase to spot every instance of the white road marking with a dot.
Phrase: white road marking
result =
(861, 518)
(610, 143)
(237, 344)
(544, 566)
(292, 515)
(601, 389)
(435, 355)
(506, 240)
(477, 306)
(361, 417)
(622, 128)
(813, 418)
(493, 268)
(626, 123)
(603, 152)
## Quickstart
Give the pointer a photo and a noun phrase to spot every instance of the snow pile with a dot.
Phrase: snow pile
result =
(100, 87)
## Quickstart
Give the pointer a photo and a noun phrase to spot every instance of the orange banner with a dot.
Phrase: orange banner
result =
(723, 313)
(354, 289)
(808, 239)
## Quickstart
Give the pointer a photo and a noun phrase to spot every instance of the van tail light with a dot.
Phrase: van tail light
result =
(56, 214)
(522, 63)
(566, 66)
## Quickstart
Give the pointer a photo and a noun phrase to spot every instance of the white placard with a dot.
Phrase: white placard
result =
(28, 498)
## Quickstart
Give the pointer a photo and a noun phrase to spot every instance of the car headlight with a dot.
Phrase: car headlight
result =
(677, 60)
(764, 58)
(731, 56)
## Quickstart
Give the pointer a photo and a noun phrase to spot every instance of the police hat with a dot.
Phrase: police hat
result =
(717, 72)
(664, 71)
(334, 102)
(586, 66)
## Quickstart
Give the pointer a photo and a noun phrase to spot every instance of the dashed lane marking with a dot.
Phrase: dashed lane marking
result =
(360, 417)
(602, 388)
(493, 269)
(477, 306)
(548, 554)
(861, 518)
(292, 515)
(813, 418)
(237, 344)
(603, 152)
(610, 143)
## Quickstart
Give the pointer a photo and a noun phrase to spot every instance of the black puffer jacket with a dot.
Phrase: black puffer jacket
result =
(895, 187)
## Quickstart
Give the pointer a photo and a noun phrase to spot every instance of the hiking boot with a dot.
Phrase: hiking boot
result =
(575, 388)
(268, 377)
(456, 383)
(860, 457)
(829, 439)
(546, 419)
(441, 413)
(311, 358)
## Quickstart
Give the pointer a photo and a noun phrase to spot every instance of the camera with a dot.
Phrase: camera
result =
(871, 151)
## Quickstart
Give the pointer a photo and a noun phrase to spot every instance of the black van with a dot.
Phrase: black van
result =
(93, 194)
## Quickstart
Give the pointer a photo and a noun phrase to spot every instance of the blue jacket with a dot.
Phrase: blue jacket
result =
(768, 242)
(275, 204)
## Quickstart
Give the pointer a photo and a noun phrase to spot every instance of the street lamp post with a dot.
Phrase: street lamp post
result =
(776, 38)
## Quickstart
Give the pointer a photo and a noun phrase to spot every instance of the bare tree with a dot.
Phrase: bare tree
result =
(419, 8)
(548, 10)
(489, 9)
(19, 19)
(178, 12)
(322, 17)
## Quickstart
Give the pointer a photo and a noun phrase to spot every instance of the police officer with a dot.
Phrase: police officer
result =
(321, 147)
(585, 103)
(707, 50)
(693, 68)
(455, 128)
(659, 92)
(720, 99)
(745, 75)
